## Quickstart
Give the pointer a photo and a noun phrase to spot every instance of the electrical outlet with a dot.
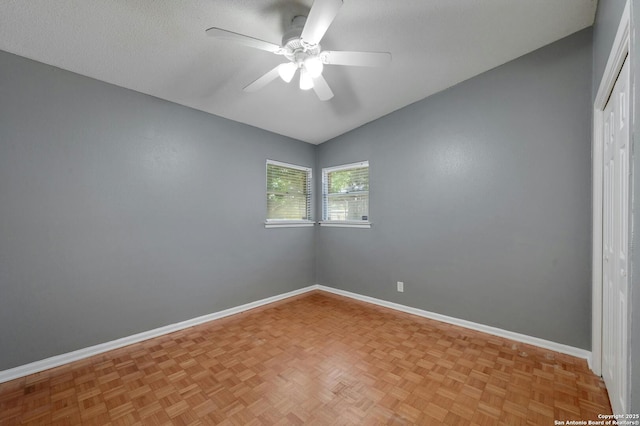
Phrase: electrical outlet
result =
(400, 286)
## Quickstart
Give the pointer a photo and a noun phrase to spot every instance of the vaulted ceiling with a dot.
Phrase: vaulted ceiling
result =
(159, 47)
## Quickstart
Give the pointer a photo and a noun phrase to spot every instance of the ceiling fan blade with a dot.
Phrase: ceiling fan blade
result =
(242, 39)
(321, 88)
(321, 15)
(263, 81)
(358, 59)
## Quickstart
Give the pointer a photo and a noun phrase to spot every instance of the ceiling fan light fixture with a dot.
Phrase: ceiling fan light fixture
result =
(314, 66)
(287, 70)
(301, 46)
(306, 82)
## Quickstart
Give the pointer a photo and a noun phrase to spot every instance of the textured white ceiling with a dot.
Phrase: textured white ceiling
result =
(159, 47)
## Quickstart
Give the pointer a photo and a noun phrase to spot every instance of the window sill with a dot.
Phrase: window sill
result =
(288, 224)
(340, 224)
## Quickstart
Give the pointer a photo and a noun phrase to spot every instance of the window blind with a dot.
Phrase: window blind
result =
(288, 192)
(345, 193)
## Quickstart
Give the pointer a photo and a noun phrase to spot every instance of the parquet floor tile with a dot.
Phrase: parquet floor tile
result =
(316, 359)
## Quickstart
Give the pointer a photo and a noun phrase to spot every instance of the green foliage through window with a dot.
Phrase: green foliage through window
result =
(345, 195)
(348, 181)
(288, 192)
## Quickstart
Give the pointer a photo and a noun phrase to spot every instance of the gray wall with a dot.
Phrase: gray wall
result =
(480, 200)
(604, 31)
(605, 28)
(120, 213)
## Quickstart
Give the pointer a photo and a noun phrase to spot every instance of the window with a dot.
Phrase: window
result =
(345, 195)
(288, 195)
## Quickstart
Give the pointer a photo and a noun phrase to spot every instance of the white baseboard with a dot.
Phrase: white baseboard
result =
(523, 338)
(58, 360)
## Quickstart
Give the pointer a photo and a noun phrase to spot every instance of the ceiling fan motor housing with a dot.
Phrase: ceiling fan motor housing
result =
(294, 48)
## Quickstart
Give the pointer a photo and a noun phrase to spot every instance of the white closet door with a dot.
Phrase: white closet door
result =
(615, 241)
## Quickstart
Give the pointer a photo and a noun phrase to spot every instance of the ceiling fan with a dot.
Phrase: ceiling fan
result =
(301, 46)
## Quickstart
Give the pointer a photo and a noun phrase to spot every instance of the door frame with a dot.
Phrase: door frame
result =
(619, 51)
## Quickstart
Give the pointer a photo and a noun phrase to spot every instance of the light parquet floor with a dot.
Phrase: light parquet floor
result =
(316, 359)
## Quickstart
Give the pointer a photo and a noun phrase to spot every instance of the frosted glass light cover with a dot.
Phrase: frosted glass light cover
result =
(314, 66)
(306, 82)
(287, 71)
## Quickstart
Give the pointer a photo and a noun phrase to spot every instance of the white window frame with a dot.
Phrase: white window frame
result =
(341, 223)
(290, 223)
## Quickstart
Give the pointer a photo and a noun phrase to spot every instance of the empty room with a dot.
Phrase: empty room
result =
(319, 212)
